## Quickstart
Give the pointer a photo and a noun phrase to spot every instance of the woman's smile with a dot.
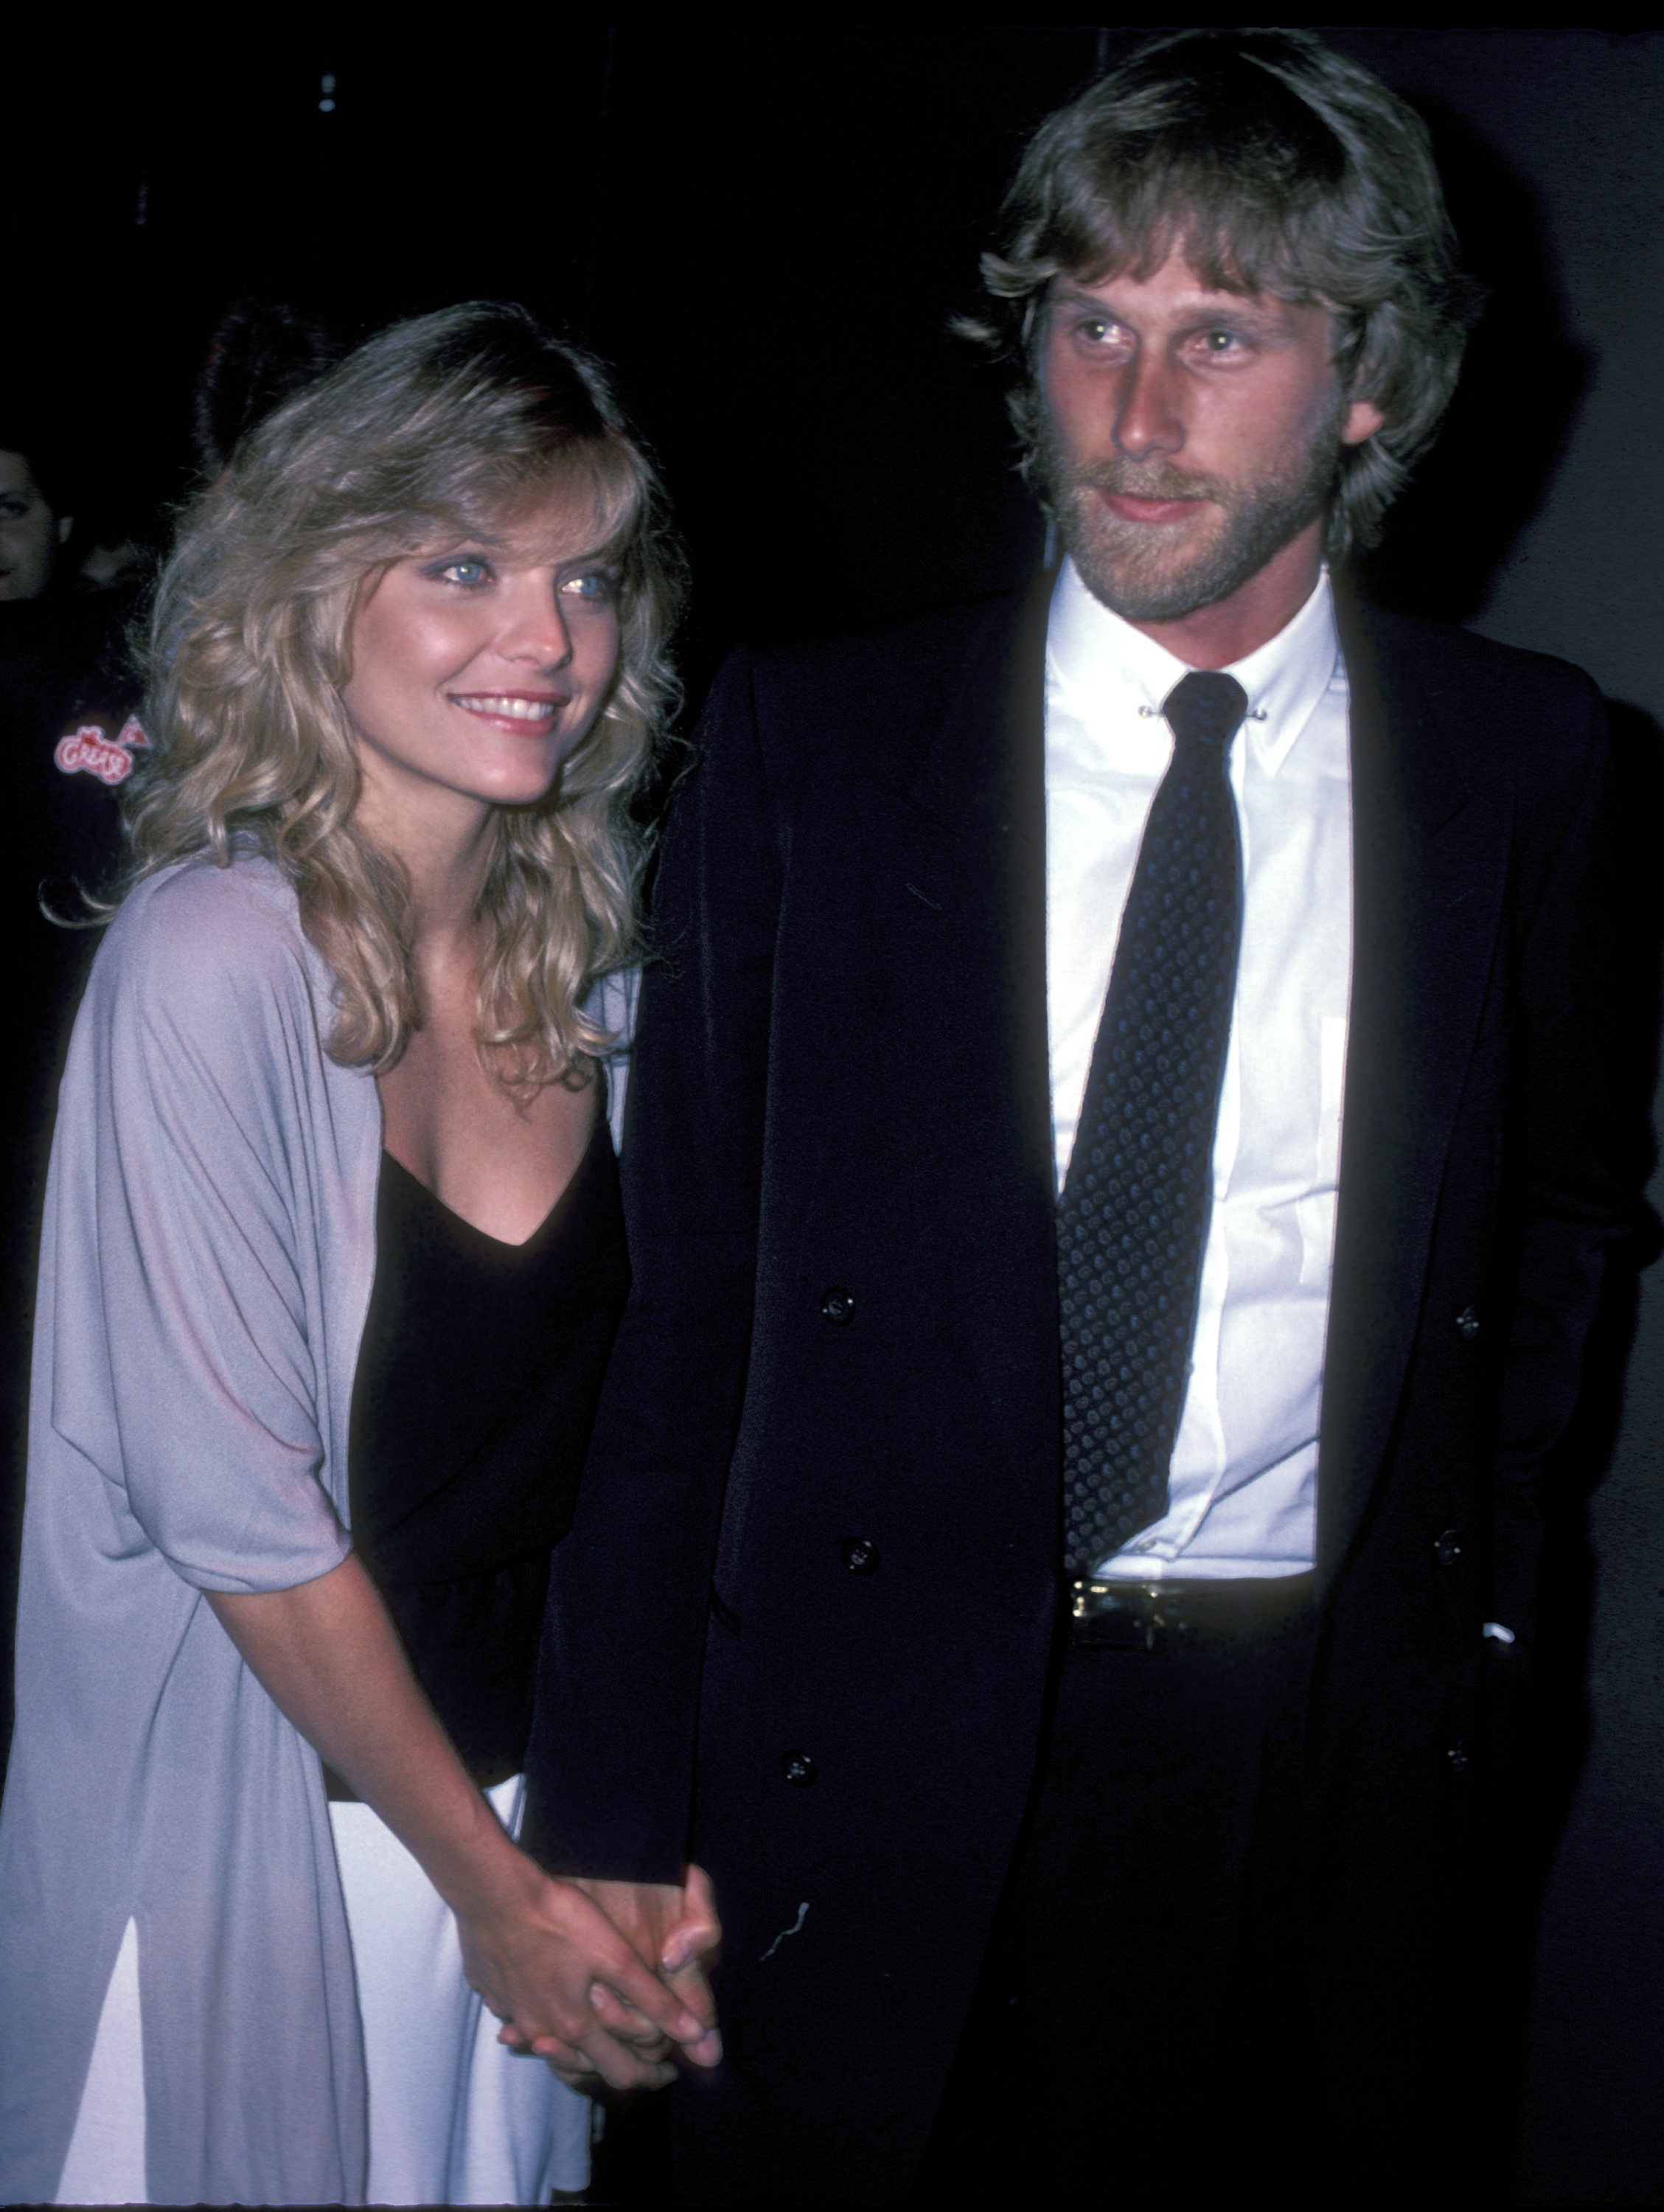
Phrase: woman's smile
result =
(534, 712)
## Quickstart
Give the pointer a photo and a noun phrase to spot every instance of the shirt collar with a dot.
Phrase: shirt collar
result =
(1095, 658)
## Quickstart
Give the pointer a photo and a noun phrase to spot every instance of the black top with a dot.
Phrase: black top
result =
(476, 1385)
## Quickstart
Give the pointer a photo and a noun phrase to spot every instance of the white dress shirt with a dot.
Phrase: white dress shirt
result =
(1244, 1483)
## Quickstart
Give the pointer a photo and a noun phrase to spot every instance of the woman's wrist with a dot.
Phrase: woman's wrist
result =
(481, 1873)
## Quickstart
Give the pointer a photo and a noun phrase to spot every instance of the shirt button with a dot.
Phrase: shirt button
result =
(1446, 1547)
(798, 1768)
(859, 1555)
(838, 1306)
(1467, 1324)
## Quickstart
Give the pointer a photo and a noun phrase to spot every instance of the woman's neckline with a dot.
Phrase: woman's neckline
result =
(484, 1236)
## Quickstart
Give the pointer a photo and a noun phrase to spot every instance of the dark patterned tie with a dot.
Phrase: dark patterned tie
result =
(1133, 1222)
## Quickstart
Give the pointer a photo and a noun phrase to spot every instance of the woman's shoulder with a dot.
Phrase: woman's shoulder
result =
(196, 935)
(195, 910)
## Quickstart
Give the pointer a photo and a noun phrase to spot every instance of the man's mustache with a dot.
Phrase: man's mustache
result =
(1129, 480)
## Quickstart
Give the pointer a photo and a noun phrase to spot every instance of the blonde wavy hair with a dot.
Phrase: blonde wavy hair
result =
(435, 431)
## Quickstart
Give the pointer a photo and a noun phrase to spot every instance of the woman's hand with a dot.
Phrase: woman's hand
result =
(573, 1987)
(543, 1954)
(677, 1930)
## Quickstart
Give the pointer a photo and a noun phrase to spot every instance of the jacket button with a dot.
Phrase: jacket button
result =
(1467, 1324)
(1457, 1756)
(859, 1555)
(1446, 1547)
(838, 1306)
(798, 1768)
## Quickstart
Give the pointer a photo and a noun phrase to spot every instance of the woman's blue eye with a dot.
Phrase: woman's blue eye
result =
(594, 584)
(470, 570)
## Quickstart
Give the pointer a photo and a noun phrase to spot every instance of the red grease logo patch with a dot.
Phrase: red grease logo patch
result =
(110, 759)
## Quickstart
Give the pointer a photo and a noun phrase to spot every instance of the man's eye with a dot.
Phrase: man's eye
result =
(1102, 334)
(12, 510)
(1219, 341)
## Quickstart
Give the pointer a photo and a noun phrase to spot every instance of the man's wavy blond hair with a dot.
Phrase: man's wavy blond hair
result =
(435, 431)
(1275, 165)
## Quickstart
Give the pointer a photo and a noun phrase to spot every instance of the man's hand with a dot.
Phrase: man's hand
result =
(573, 1989)
(674, 1933)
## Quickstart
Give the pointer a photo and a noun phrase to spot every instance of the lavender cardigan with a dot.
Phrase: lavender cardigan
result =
(206, 1267)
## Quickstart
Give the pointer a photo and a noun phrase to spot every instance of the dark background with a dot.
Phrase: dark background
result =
(766, 233)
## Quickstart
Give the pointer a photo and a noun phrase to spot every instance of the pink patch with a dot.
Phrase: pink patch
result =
(89, 749)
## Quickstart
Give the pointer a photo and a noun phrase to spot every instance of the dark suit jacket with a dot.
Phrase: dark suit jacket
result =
(844, 1327)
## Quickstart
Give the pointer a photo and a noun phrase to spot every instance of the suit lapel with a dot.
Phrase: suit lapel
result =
(1430, 867)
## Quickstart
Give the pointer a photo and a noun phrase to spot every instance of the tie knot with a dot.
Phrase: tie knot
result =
(1205, 708)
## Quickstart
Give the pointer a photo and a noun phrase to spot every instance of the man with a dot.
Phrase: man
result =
(1117, 1180)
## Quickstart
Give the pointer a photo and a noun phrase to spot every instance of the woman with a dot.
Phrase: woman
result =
(345, 1028)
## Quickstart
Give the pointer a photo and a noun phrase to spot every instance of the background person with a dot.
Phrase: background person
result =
(258, 353)
(332, 1258)
(34, 527)
(1145, 1659)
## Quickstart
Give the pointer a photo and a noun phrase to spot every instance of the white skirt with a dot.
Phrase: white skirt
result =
(454, 2118)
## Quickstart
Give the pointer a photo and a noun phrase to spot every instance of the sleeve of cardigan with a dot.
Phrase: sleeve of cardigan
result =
(187, 1259)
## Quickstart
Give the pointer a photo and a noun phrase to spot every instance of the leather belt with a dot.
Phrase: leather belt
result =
(1124, 1616)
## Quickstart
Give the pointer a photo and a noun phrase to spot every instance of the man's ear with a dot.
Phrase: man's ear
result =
(65, 524)
(1364, 419)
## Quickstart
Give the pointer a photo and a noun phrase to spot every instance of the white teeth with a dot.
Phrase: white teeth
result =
(517, 710)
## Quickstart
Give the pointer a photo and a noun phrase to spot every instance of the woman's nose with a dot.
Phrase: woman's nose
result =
(537, 630)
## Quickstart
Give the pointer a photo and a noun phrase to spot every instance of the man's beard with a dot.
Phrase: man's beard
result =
(1147, 572)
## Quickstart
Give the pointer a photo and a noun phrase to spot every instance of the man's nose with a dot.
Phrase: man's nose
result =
(1149, 420)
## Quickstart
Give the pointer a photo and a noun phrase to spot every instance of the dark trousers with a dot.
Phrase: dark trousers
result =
(1141, 2025)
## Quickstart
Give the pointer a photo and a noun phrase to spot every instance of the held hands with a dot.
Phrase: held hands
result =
(601, 1978)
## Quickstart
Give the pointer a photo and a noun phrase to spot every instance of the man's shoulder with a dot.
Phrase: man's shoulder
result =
(918, 652)
(929, 634)
(911, 661)
(1489, 678)
(1523, 725)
